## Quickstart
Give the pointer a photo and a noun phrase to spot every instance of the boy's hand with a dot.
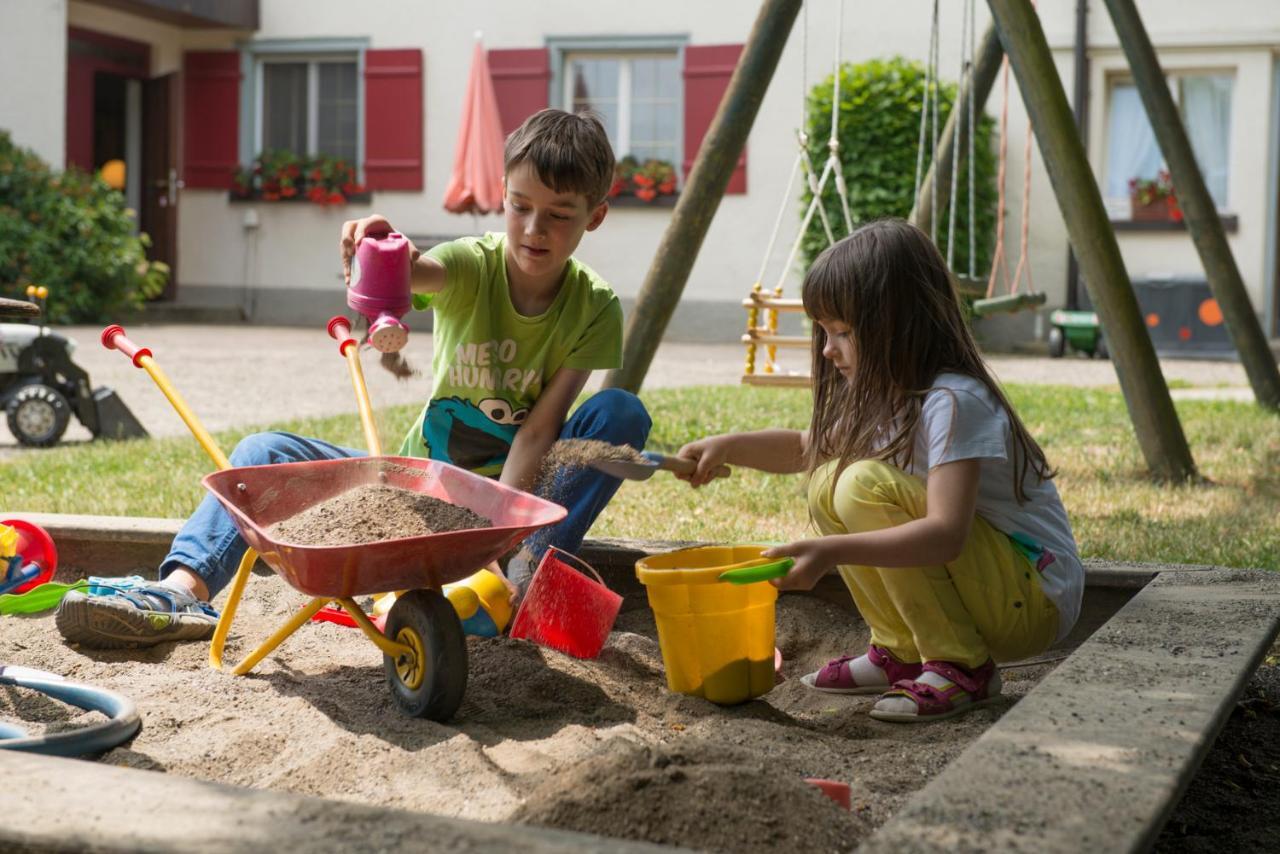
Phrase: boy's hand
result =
(813, 560)
(709, 454)
(355, 230)
(513, 592)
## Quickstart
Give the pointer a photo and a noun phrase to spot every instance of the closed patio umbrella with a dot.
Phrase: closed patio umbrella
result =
(476, 183)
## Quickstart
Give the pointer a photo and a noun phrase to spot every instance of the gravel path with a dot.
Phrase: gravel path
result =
(242, 375)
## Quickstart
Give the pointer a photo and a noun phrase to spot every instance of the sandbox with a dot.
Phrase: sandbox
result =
(542, 738)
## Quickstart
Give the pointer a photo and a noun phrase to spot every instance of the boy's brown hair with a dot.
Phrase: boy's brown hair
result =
(569, 152)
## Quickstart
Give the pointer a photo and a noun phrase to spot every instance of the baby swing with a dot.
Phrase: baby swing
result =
(764, 307)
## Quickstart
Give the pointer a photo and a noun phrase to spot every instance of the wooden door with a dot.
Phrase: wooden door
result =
(160, 181)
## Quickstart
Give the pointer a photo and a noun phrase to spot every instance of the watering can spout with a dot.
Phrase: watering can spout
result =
(382, 295)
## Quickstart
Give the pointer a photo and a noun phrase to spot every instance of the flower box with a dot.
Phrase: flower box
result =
(1153, 200)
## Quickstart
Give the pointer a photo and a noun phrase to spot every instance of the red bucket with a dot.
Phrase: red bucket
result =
(565, 609)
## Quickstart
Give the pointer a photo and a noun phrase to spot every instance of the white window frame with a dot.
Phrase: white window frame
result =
(256, 55)
(1173, 78)
(623, 48)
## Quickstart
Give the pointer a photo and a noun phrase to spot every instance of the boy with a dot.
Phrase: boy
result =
(519, 326)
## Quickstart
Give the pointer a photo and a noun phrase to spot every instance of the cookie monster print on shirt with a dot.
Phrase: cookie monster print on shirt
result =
(491, 362)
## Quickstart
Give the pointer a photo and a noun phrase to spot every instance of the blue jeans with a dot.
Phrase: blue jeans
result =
(210, 545)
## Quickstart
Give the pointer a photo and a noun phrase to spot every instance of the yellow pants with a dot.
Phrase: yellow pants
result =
(987, 603)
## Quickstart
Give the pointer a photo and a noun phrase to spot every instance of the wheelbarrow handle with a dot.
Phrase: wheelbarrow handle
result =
(339, 329)
(113, 338)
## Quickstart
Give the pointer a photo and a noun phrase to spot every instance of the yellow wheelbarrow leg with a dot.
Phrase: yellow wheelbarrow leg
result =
(381, 641)
(229, 610)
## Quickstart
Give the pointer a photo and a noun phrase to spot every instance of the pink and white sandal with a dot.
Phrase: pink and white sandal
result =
(836, 676)
(944, 690)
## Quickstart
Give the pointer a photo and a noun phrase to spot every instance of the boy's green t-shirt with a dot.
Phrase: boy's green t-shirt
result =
(491, 362)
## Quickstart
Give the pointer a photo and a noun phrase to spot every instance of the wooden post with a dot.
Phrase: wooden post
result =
(665, 281)
(1198, 209)
(1155, 421)
(981, 77)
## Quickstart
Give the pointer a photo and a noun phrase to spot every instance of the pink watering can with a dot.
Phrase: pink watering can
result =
(382, 294)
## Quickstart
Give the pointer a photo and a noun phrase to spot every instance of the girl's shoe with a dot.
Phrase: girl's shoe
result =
(942, 691)
(876, 670)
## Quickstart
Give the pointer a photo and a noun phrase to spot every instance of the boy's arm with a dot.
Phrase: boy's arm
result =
(428, 274)
(541, 429)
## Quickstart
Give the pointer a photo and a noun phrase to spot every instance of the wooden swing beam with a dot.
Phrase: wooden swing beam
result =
(1155, 421)
(1198, 210)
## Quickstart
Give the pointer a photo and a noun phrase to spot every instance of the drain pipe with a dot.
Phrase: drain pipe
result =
(1080, 108)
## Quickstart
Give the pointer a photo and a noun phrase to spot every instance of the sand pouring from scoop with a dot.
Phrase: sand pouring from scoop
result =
(654, 462)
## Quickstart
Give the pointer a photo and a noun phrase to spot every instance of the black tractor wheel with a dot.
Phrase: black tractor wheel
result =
(431, 682)
(1057, 343)
(38, 415)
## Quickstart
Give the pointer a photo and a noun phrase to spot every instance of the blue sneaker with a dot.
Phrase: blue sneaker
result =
(124, 614)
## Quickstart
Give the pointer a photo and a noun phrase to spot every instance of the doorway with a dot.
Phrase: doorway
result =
(118, 114)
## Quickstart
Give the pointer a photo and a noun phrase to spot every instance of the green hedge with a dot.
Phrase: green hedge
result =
(879, 132)
(72, 233)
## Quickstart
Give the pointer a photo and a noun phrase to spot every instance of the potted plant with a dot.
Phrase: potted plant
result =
(283, 175)
(644, 181)
(1153, 199)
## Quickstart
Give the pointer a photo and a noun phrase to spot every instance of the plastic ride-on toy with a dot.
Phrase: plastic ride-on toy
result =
(1078, 330)
(40, 386)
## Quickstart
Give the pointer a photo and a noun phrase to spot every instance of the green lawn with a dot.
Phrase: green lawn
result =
(1234, 520)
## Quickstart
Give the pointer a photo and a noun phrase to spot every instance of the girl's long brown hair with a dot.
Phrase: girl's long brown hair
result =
(888, 282)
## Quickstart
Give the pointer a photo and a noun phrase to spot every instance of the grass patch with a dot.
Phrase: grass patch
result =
(1117, 513)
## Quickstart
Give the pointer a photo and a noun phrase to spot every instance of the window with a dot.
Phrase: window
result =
(1204, 101)
(636, 95)
(309, 105)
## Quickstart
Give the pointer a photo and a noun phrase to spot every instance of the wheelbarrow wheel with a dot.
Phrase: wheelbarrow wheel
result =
(432, 683)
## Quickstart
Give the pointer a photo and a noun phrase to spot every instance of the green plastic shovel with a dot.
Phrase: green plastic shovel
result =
(761, 569)
(38, 599)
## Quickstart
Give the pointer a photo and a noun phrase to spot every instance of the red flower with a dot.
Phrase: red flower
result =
(645, 194)
(293, 171)
(270, 197)
(351, 189)
(618, 186)
(642, 181)
(336, 198)
(289, 192)
(316, 175)
(667, 187)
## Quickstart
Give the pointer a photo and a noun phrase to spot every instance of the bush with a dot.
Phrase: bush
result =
(70, 232)
(879, 132)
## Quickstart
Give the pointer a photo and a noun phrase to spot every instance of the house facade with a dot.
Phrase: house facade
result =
(184, 92)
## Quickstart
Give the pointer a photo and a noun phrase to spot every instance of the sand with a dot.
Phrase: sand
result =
(541, 737)
(373, 512)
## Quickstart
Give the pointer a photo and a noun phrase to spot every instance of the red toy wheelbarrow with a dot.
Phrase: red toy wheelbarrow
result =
(424, 650)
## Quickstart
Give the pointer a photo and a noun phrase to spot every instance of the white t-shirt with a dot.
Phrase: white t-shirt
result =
(962, 420)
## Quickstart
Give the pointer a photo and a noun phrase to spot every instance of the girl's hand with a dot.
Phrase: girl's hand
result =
(813, 560)
(709, 454)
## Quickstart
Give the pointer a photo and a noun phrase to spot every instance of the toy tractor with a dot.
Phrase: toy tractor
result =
(40, 386)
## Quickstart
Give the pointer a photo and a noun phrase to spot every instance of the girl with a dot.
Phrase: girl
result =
(934, 503)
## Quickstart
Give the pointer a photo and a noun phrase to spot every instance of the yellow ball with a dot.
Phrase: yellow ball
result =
(31, 290)
(113, 174)
(42, 292)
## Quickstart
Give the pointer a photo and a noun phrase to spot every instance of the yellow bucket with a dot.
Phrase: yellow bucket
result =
(716, 637)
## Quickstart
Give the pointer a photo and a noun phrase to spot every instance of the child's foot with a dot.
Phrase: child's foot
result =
(133, 615)
(870, 673)
(942, 691)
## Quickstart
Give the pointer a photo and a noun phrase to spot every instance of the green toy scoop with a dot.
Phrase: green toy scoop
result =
(761, 569)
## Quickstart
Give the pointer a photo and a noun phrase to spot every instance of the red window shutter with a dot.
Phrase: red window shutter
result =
(707, 69)
(522, 83)
(393, 119)
(211, 123)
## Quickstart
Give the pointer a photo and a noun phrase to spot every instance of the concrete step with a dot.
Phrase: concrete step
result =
(1098, 754)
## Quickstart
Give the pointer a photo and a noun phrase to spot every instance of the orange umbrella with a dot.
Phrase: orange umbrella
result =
(476, 184)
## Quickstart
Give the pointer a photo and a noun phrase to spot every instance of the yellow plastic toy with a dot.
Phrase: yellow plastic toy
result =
(716, 636)
(482, 601)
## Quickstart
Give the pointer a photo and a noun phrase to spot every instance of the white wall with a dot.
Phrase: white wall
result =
(33, 75)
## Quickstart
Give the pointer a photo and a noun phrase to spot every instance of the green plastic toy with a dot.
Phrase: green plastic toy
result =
(38, 599)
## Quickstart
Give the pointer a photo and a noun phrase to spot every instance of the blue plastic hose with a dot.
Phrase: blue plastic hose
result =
(122, 724)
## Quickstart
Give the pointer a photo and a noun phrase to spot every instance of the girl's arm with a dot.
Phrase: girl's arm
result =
(936, 539)
(776, 451)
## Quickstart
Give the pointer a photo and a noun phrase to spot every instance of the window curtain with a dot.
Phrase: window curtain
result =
(1206, 111)
(1132, 151)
